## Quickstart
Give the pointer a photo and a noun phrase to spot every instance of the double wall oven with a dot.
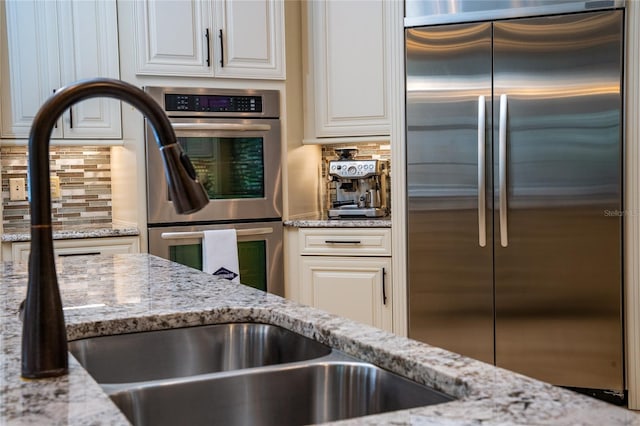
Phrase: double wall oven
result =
(233, 140)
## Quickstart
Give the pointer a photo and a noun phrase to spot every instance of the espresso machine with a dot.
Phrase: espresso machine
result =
(358, 188)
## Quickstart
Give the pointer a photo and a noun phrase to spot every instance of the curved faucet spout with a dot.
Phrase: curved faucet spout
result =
(44, 341)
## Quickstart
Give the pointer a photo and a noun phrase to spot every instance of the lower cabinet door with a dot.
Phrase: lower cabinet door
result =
(358, 288)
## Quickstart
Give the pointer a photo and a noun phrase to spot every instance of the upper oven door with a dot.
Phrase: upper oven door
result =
(237, 161)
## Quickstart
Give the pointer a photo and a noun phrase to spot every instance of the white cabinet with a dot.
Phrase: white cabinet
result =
(19, 251)
(221, 38)
(347, 86)
(355, 288)
(251, 38)
(345, 271)
(52, 43)
(173, 37)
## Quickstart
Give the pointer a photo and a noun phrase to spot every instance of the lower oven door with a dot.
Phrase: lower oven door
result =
(260, 252)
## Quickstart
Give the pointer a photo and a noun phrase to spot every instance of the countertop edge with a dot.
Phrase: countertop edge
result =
(22, 236)
(338, 223)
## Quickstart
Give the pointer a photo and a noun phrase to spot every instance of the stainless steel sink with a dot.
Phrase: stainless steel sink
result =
(297, 394)
(240, 374)
(191, 351)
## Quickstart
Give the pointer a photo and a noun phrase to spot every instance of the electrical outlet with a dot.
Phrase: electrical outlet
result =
(17, 189)
(55, 187)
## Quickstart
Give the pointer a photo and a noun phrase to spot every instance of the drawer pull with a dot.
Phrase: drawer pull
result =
(343, 242)
(88, 253)
(384, 291)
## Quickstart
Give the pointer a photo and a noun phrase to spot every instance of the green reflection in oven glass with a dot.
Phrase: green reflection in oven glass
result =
(252, 256)
(190, 255)
(227, 167)
(252, 259)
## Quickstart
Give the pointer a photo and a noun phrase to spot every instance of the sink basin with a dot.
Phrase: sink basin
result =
(240, 374)
(297, 394)
(191, 351)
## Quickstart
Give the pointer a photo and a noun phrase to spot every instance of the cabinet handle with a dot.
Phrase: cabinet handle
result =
(342, 242)
(71, 118)
(206, 36)
(384, 291)
(88, 253)
(221, 50)
(55, 125)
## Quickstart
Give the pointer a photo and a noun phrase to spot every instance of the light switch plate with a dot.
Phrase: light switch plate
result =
(55, 187)
(17, 189)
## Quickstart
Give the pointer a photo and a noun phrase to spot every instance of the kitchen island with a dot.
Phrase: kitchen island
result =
(113, 294)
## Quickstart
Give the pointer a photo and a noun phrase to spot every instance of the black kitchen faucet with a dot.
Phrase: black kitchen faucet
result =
(44, 339)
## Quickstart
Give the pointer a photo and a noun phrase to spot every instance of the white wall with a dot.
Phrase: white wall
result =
(301, 185)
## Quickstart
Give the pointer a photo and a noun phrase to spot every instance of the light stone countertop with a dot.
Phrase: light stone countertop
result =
(322, 221)
(12, 235)
(136, 292)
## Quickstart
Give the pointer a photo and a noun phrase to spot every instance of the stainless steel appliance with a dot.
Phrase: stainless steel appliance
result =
(233, 140)
(360, 186)
(260, 251)
(514, 169)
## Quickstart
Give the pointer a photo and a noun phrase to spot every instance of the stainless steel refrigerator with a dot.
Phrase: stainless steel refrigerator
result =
(514, 170)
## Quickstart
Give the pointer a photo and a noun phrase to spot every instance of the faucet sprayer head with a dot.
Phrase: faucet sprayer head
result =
(186, 193)
(44, 339)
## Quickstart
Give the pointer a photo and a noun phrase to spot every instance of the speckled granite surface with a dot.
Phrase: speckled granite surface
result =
(322, 221)
(11, 235)
(123, 293)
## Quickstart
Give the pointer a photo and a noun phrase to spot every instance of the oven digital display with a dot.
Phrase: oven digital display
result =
(212, 103)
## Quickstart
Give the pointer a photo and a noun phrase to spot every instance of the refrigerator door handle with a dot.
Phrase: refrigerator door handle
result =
(502, 173)
(482, 227)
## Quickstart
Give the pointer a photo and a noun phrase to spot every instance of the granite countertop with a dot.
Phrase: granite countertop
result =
(122, 293)
(12, 235)
(320, 220)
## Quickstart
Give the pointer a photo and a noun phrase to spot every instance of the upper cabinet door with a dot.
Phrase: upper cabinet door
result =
(210, 38)
(50, 44)
(348, 69)
(88, 49)
(30, 67)
(174, 38)
(249, 39)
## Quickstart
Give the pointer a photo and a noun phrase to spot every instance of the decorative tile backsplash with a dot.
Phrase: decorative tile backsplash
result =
(85, 186)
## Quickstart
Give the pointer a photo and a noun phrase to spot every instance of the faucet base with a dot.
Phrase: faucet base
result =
(46, 374)
(44, 335)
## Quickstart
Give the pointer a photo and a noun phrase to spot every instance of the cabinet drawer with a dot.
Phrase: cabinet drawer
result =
(345, 242)
(77, 247)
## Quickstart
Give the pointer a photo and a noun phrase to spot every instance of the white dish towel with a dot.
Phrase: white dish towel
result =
(220, 254)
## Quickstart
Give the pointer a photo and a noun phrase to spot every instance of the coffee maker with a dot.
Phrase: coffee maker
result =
(360, 186)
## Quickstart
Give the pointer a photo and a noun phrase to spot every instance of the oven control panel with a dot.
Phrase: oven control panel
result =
(212, 103)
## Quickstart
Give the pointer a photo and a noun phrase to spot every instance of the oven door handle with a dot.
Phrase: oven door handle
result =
(238, 127)
(200, 234)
